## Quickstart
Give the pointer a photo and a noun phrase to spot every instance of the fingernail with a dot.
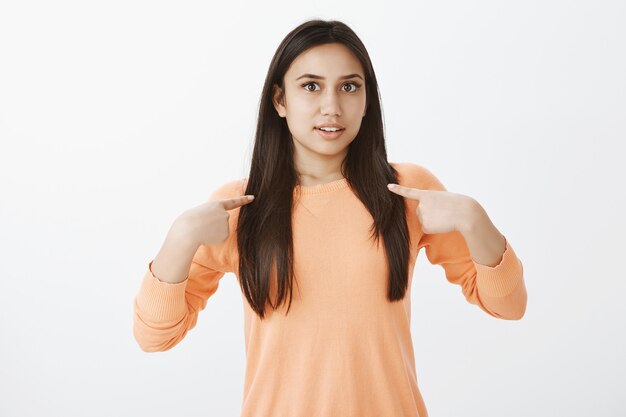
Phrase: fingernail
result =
(250, 197)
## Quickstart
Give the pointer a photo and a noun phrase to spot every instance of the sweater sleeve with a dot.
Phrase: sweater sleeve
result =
(165, 312)
(500, 290)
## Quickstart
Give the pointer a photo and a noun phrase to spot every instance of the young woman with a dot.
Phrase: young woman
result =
(338, 342)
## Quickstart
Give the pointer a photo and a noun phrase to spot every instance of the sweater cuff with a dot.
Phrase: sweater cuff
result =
(502, 279)
(161, 301)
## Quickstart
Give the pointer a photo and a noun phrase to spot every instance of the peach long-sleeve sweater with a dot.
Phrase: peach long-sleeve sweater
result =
(343, 349)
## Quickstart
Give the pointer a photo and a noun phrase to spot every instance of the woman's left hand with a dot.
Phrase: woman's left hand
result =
(440, 211)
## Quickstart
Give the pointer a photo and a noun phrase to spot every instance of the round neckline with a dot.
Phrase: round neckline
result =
(323, 188)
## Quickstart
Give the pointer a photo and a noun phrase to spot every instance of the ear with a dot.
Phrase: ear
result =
(278, 100)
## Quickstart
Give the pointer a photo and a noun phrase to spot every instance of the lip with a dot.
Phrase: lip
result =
(329, 135)
(337, 125)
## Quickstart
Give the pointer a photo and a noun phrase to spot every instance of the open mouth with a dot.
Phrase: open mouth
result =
(329, 134)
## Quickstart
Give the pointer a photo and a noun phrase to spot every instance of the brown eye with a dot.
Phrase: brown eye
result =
(307, 84)
(355, 85)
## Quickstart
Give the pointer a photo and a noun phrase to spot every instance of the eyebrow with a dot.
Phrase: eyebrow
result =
(319, 77)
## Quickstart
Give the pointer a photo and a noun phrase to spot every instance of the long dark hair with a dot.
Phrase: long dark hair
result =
(264, 233)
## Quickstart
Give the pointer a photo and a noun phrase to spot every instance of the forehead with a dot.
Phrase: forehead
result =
(329, 60)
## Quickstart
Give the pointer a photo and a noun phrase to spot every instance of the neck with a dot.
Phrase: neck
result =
(313, 171)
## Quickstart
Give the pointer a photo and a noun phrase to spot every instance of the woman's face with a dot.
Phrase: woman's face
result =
(325, 84)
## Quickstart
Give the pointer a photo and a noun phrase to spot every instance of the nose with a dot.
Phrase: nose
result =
(330, 103)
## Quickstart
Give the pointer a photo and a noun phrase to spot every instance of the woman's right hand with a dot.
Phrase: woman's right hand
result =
(207, 224)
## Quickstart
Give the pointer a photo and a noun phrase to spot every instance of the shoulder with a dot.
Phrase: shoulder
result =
(230, 189)
(416, 176)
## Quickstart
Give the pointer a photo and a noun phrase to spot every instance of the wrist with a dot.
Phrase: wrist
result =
(181, 233)
(474, 217)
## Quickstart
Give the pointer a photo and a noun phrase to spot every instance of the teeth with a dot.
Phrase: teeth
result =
(330, 129)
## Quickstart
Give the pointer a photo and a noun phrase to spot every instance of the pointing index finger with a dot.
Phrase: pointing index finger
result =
(233, 203)
(404, 191)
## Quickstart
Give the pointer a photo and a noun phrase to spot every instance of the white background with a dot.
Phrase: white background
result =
(117, 116)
